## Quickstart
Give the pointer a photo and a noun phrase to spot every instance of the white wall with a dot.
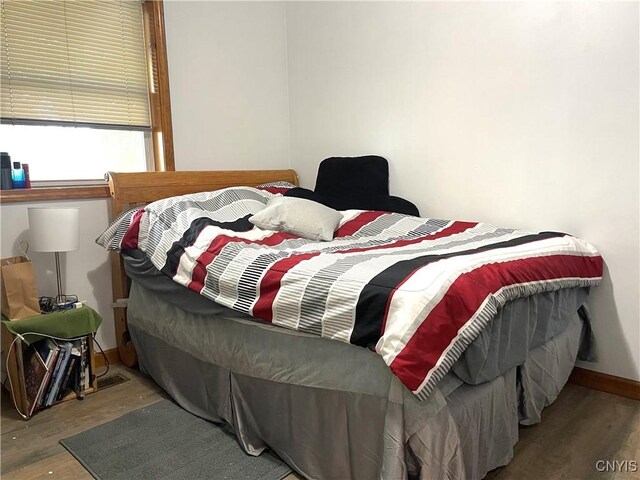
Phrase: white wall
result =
(228, 80)
(85, 272)
(519, 114)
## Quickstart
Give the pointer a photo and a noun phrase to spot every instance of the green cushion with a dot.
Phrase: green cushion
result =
(76, 322)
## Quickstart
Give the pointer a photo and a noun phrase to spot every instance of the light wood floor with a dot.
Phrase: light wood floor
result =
(580, 428)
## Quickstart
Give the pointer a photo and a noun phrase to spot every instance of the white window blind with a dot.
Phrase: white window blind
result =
(73, 61)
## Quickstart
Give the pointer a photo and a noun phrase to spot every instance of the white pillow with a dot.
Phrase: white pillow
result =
(298, 216)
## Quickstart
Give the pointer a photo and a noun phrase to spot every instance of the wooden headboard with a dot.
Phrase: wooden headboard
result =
(131, 189)
(142, 188)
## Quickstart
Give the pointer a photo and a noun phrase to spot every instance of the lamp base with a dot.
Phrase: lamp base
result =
(60, 296)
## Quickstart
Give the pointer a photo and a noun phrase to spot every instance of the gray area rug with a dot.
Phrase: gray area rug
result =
(163, 441)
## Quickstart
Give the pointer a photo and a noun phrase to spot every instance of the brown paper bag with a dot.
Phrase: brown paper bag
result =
(19, 293)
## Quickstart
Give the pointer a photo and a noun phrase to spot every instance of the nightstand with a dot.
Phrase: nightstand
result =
(76, 324)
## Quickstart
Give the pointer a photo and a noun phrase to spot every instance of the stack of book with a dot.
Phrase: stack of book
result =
(53, 369)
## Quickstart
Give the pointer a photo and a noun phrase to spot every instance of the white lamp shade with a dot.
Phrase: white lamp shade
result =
(54, 229)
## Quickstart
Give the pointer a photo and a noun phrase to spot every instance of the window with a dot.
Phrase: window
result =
(75, 154)
(84, 87)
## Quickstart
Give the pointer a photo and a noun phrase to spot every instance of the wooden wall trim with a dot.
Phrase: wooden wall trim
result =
(605, 383)
(112, 356)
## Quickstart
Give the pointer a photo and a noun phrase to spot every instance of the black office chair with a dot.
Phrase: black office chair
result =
(355, 182)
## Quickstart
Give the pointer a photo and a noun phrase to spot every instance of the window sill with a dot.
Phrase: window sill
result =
(53, 193)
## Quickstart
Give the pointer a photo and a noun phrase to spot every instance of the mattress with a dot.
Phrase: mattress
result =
(349, 418)
(520, 326)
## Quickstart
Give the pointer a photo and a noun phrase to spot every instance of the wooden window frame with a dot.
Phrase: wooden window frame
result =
(159, 96)
(160, 106)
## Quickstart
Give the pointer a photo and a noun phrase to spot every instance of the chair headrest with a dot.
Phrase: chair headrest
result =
(353, 176)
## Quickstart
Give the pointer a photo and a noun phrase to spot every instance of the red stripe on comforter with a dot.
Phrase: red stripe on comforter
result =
(270, 284)
(215, 247)
(454, 228)
(130, 239)
(460, 305)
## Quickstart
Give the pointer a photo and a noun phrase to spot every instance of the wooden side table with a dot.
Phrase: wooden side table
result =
(73, 323)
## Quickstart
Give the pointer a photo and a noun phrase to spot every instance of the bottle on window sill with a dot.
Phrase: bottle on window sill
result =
(5, 171)
(27, 178)
(17, 176)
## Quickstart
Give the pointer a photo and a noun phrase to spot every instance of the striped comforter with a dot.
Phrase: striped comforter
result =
(418, 291)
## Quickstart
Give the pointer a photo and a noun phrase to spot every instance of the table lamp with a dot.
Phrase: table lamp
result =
(54, 230)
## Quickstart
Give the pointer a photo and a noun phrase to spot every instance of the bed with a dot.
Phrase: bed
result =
(330, 409)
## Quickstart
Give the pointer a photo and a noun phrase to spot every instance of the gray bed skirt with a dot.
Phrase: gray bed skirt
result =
(335, 411)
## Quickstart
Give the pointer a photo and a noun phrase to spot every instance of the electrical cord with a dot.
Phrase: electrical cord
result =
(104, 355)
(21, 337)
